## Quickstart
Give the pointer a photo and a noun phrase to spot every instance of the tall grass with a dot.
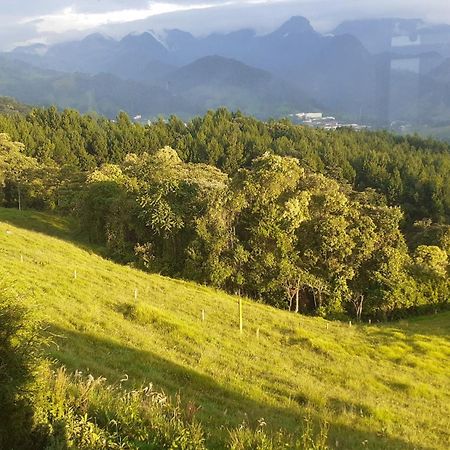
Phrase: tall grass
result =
(85, 413)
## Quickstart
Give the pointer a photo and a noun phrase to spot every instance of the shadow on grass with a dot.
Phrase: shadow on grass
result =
(64, 228)
(425, 327)
(221, 408)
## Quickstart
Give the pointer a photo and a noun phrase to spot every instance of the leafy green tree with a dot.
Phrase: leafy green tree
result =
(271, 212)
(431, 261)
(14, 170)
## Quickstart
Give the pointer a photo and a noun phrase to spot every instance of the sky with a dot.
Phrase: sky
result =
(47, 21)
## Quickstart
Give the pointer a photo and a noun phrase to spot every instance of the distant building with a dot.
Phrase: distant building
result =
(309, 116)
(319, 120)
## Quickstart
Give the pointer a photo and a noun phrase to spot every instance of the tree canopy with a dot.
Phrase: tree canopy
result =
(330, 223)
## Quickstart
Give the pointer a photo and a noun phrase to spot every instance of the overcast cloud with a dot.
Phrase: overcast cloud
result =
(28, 21)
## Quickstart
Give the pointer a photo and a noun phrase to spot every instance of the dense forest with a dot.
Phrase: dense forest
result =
(329, 223)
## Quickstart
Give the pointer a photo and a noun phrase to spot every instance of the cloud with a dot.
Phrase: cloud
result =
(56, 20)
(40, 7)
(71, 18)
(89, 16)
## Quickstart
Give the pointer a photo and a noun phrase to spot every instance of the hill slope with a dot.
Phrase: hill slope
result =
(214, 81)
(379, 387)
(9, 105)
(103, 93)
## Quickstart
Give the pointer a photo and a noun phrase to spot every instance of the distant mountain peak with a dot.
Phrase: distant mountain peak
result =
(217, 68)
(96, 37)
(176, 39)
(142, 39)
(294, 26)
(144, 42)
(217, 63)
(138, 37)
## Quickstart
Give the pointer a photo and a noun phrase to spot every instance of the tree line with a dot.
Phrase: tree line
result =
(330, 223)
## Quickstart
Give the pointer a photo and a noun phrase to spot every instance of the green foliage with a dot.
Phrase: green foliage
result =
(273, 232)
(20, 344)
(24, 182)
(325, 223)
(152, 204)
(409, 171)
(86, 413)
(431, 261)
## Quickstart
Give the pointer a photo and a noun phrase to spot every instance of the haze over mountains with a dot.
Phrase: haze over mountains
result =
(372, 71)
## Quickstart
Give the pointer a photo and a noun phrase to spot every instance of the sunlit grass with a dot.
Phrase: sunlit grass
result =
(383, 386)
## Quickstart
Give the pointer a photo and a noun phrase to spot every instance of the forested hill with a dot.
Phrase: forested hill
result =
(410, 171)
(330, 223)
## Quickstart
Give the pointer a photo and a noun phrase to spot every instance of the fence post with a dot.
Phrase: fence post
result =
(240, 316)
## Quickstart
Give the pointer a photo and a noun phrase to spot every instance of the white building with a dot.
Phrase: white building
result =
(309, 116)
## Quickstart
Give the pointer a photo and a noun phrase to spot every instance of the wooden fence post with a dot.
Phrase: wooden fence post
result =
(240, 316)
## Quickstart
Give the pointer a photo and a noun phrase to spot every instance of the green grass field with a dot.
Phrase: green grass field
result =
(384, 386)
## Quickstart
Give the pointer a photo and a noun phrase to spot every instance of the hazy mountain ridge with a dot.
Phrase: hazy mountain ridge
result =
(290, 57)
(214, 81)
(103, 93)
(357, 72)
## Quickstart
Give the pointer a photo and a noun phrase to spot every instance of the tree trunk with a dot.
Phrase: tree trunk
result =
(358, 303)
(320, 297)
(360, 306)
(297, 301)
(314, 297)
(19, 197)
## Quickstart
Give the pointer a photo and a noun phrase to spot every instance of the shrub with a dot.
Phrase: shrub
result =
(20, 344)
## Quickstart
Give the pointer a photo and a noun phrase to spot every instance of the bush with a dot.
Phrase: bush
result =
(20, 344)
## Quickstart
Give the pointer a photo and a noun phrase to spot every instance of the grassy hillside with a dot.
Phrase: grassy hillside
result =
(378, 386)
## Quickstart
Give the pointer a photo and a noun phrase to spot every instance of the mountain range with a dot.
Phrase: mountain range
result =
(364, 70)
